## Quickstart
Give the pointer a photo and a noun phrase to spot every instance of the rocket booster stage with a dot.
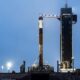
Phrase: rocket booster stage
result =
(40, 41)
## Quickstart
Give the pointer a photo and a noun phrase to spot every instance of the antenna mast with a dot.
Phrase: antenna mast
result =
(66, 4)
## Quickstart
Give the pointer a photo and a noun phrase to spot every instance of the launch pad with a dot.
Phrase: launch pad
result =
(66, 18)
(65, 67)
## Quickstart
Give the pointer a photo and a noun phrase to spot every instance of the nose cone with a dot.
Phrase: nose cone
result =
(40, 18)
(40, 22)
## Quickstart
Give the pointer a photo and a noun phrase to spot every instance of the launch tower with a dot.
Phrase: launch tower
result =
(67, 18)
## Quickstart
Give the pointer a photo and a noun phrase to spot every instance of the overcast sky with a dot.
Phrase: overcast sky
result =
(19, 32)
